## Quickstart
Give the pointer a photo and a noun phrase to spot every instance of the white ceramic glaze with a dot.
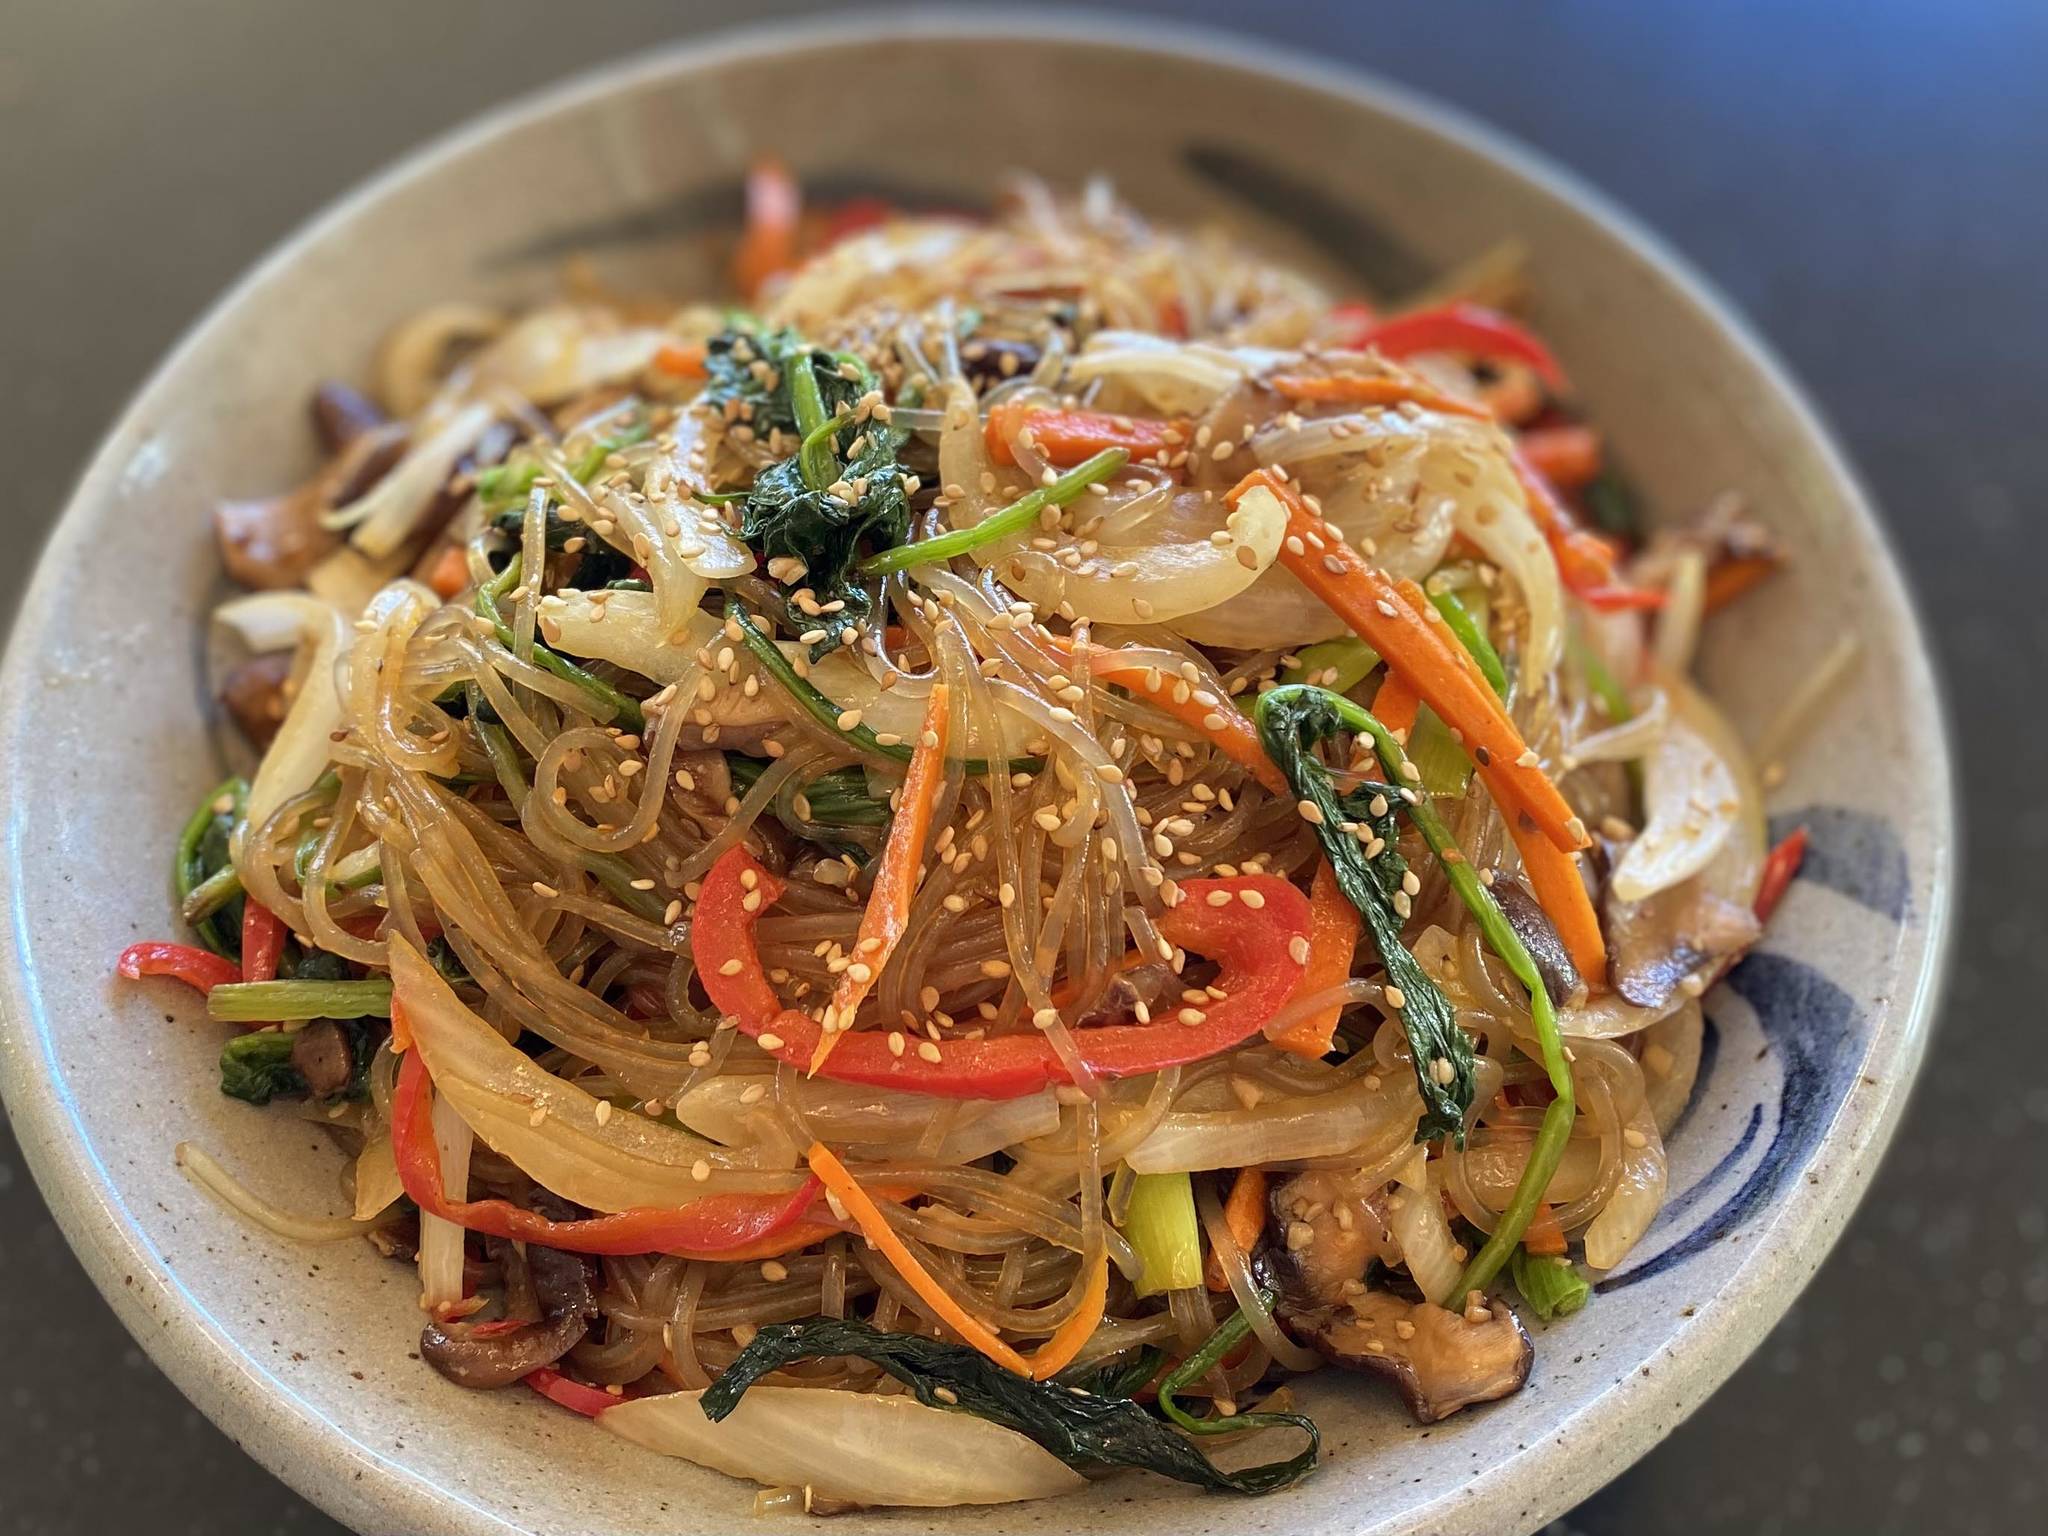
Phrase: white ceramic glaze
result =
(302, 1354)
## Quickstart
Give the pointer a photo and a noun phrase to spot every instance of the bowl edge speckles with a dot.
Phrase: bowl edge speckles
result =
(100, 1084)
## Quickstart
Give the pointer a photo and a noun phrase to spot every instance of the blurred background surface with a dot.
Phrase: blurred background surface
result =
(1865, 181)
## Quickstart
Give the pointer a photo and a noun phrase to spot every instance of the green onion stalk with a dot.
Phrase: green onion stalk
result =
(1018, 516)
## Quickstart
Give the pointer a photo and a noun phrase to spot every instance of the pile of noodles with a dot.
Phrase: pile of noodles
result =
(564, 889)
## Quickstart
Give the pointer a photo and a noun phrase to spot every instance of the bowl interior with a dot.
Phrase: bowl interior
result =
(104, 745)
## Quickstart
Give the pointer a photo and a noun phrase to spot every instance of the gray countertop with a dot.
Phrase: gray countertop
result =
(1869, 182)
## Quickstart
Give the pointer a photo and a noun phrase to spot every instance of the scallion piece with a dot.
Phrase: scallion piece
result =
(1339, 665)
(1015, 518)
(1165, 1233)
(1228, 1336)
(263, 1002)
(1553, 1287)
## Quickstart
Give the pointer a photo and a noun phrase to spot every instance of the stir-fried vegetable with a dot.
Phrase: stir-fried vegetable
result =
(1552, 1287)
(1160, 1222)
(201, 865)
(896, 874)
(1358, 835)
(1260, 950)
(1081, 1428)
(1016, 518)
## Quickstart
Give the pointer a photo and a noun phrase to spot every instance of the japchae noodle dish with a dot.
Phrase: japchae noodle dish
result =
(931, 878)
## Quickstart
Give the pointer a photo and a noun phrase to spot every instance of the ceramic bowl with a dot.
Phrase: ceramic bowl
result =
(302, 1353)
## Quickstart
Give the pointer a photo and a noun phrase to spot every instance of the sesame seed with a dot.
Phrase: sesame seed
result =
(1396, 998)
(1634, 1137)
(1297, 949)
(700, 1170)
(1253, 899)
(541, 888)
(1310, 812)
(770, 1042)
(774, 1271)
(927, 1051)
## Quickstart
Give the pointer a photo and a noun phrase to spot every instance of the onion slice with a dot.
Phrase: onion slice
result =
(550, 1128)
(849, 1445)
(298, 754)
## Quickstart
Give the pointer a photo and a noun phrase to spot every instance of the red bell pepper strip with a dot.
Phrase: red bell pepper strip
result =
(200, 969)
(855, 216)
(1261, 945)
(575, 1396)
(1469, 328)
(716, 1227)
(262, 942)
(1780, 866)
(1567, 456)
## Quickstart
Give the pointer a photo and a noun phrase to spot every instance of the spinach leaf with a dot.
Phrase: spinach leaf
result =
(838, 799)
(841, 493)
(1292, 720)
(256, 1067)
(1081, 1429)
(202, 857)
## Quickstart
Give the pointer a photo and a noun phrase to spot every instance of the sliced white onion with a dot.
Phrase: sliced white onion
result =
(1691, 799)
(1174, 378)
(412, 359)
(1633, 739)
(850, 1116)
(911, 260)
(564, 350)
(441, 1240)
(550, 1128)
(1636, 1198)
(385, 515)
(849, 1445)
(298, 754)
(622, 627)
(1372, 1117)
(1495, 516)
(1671, 1063)
(376, 1178)
(1415, 1215)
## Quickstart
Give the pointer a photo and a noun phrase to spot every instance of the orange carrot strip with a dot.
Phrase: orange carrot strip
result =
(888, 911)
(1383, 389)
(1396, 705)
(1244, 1213)
(684, 360)
(1057, 1352)
(1373, 606)
(1732, 577)
(882, 1237)
(1332, 939)
(1584, 558)
(1221, 721)
(1068, 437)
(768, 248)
(1543, 1236)
(449, 573)
(1568, 457)
(1553, 873)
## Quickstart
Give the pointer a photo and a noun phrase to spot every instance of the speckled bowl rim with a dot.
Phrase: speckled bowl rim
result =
(292, 1440)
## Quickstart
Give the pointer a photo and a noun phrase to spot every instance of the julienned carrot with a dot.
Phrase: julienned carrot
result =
(1732, 577)
(902, 861)
(1214, 716)
(1244, 1213)
(882, 1237)
(1397, 704)
(1066, 438)
(449, 573)
(1568, 456)
(1543, 1236)
(768, 248)
(685, 360)
(1332, 939)
(1382, 389)
(1554, 877)
(1058, 1352)
(1374, 608)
